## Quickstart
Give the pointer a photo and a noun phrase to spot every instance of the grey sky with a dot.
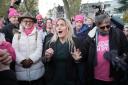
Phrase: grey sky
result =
(45, 5)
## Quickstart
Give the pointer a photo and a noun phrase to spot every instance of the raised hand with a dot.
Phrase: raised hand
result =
(76, 54)
(12, 2)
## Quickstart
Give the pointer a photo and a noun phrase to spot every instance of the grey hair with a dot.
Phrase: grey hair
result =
(102, 18)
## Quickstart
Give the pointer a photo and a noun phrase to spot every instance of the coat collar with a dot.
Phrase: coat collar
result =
(92, 32)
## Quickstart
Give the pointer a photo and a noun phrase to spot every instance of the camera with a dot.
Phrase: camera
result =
(18, 2)
(96, 6)
(100, 10)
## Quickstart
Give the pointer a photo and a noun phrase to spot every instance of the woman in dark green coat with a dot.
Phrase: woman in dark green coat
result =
(62, 55)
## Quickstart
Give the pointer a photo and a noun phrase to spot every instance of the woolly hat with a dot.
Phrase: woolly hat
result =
(13, 13)
(27, 15)
(39, 16)
(79, 18)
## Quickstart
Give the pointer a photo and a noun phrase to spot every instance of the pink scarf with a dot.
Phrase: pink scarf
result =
(28, 30)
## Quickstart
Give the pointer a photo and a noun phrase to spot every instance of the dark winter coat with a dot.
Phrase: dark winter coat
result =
(117, 41)
(82, 32)
(72, 74)
(9, 30)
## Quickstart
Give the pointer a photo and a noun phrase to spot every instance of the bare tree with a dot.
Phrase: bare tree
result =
(72, 7)
(29, 6)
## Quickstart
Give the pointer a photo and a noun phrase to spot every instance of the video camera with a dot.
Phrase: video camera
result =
(100, 11)
(116, 21)
(18, 2)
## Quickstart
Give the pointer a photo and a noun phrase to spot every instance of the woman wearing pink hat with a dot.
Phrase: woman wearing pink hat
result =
(80, 29)
(10, 28)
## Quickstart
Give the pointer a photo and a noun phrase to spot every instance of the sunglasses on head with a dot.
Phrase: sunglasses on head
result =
(103, 27)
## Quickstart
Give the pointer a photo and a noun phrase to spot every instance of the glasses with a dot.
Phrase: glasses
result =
(28, 21)
(103, 27)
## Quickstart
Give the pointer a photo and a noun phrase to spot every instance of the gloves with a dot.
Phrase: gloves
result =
(27, 63)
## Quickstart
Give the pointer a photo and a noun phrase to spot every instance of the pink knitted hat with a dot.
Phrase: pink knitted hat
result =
(13, 13)
(39, 16)
(79, 18)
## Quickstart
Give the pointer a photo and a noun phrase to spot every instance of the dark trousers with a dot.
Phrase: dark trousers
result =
(99, 82)
(35, 82)
(81, 73)
(8, 77)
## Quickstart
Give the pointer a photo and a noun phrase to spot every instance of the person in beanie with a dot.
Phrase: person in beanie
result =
(7, 55)
(9, 29)
(101, 40)
(40, 24)
(80, 32)
(27, 44)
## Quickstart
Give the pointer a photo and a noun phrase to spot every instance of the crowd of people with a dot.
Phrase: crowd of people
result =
(84, 51)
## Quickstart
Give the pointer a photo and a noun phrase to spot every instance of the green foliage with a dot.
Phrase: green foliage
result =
(125, 16)
(29, 6)
(72, 7)
(4, 5)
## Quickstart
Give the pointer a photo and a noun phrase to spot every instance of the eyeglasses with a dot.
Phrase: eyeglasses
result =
(103, 27)
(25, 21)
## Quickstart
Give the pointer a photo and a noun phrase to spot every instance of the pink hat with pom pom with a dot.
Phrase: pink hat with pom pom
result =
(79, 18)
(13, 12)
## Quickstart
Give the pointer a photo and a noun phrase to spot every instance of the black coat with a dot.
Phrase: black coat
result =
(9, 30)
(117, 41)
(72, 65)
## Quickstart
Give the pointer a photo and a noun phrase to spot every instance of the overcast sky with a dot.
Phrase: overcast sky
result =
(45, 5)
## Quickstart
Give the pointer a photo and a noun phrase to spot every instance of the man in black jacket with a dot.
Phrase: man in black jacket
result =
(101, 39)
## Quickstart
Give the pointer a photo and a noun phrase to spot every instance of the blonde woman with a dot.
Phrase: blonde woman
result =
(61, 55)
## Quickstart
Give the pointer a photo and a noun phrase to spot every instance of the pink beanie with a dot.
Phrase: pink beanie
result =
(79, 18)
(13, 13)
(39, 16)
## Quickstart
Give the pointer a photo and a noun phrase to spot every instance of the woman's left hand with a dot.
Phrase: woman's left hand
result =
(76, 54)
